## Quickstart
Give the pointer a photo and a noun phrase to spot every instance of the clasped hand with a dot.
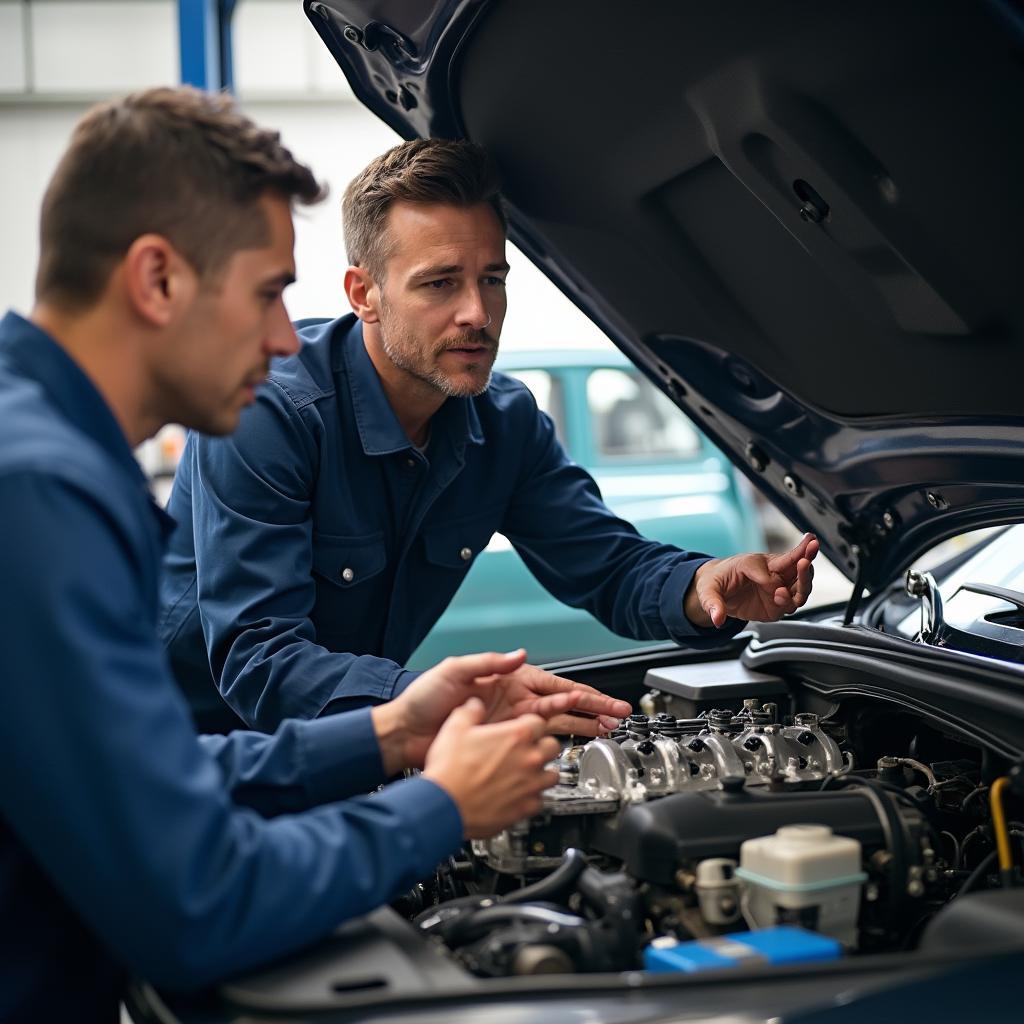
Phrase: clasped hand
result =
(480, 728)
(507, 688)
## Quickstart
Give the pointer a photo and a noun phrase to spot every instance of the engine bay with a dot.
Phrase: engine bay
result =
(733, 818)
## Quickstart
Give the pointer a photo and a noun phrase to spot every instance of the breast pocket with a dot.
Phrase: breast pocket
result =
(350, 607)
(457, 545)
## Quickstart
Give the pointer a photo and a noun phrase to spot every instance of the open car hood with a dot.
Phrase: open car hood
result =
(803, 221)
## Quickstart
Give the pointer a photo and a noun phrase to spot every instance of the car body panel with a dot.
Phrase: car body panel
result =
(819, 260)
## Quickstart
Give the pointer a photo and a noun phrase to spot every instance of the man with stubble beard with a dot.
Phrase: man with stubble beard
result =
(323, 540)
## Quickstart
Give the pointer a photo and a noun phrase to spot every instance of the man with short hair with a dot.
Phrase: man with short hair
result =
(322, 541)
(126, 843)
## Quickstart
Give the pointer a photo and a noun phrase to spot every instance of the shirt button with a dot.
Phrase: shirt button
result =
(411, 463)
(348, 575)
(465, 554)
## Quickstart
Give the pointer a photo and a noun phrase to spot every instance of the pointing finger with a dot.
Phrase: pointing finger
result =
(599, 704)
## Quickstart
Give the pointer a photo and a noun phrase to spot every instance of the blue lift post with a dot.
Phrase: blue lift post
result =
(204, 43)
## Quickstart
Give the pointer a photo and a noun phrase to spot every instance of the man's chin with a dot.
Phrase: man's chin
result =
(218, 423)
(466, 385)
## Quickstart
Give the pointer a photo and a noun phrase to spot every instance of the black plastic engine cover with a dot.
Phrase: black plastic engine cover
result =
(655, 839)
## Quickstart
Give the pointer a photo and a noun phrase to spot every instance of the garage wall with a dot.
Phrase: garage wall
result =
(57, 57)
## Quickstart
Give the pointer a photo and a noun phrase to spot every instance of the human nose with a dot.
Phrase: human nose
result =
(473, 311)
(281, 338)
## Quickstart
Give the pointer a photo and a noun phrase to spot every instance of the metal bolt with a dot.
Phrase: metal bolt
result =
(888, 520)
(793, 485)
(351, 33)
(810, 212)
(937, 501)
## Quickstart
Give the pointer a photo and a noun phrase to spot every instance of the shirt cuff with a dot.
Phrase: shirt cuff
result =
(341, 756)
(670, 604)
(434, 824)
(404, 678)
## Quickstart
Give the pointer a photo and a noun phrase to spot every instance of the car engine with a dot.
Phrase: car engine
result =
(718, 811)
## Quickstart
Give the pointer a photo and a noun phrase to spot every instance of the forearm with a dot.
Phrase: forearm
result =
(278, 672)
(302, 765)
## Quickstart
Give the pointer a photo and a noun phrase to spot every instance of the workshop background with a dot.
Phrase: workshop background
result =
(58, 57)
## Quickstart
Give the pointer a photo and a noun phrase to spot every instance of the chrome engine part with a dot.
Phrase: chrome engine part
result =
(660, 755)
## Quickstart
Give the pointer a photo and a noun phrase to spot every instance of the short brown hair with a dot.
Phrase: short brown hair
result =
(452, 171)
(180, 163)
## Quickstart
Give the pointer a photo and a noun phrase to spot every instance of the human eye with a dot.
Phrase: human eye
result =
(494, 281)
(438, 284)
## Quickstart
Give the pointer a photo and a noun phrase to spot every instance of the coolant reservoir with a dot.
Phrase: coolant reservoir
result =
(803, 875)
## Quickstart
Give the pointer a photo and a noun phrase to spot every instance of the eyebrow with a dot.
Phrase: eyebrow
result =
(455, 268)
(283, 280)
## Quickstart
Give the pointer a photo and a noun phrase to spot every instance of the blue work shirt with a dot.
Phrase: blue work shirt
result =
(317, 546)
(126, 843)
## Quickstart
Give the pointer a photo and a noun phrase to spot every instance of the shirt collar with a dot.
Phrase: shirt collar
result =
(379, 429)
(38, 356)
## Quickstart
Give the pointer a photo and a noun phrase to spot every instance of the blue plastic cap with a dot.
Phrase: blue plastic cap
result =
(782, 945)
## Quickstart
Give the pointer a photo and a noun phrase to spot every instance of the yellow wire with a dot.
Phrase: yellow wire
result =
(995, 797)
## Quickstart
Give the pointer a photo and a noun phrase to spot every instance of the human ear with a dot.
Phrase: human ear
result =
(157, 279)
(363, 294)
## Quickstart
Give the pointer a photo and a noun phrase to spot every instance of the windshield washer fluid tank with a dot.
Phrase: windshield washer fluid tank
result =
(803, 875)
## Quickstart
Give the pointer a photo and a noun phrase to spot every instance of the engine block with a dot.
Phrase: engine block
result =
(650, 757)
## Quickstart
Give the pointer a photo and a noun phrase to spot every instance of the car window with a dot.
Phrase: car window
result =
(547, 390)
(631, 419)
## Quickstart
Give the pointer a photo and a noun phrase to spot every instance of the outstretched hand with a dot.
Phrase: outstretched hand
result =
(755, 586)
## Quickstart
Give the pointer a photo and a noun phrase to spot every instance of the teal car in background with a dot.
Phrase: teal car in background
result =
(654, 468)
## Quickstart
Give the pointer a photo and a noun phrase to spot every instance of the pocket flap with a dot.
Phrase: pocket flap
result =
(348, 561)
(456, 545)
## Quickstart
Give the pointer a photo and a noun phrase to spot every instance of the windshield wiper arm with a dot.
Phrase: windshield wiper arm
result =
(1014, 597)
